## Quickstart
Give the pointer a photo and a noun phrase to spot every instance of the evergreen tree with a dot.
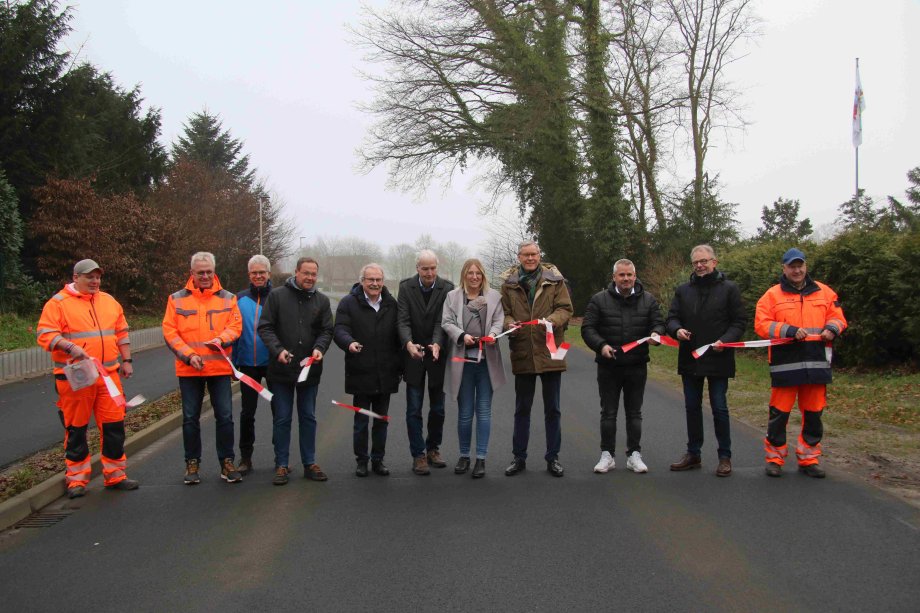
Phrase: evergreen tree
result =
(781, 222)
(205, 140)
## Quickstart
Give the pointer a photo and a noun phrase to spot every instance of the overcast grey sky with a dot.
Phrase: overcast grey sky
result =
(284, 79)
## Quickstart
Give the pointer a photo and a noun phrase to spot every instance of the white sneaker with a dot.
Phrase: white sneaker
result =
(606, 463)
(634, 463)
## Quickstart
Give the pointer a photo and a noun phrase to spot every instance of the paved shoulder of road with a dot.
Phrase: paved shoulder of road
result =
(620, 541)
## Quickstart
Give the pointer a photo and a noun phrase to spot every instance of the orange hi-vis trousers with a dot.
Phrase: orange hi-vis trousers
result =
(812, 401)
(76, 408)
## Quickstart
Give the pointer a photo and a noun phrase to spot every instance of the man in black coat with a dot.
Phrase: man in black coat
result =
(296, 323)
(622, 313)
(707, 309)
(365, 329)
(421, 299)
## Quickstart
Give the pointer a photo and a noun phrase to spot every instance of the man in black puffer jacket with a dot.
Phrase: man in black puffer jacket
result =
(707, 309)
(622, 313)
(365, 329)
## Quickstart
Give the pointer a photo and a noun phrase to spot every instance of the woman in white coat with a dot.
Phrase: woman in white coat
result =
(472, 312)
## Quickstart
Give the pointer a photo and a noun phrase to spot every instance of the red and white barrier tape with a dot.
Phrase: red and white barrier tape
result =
(305, 364)
(555, 353)
(770, 342)
(370, 414)
(664, 340)
(246, 379)
(114, 392)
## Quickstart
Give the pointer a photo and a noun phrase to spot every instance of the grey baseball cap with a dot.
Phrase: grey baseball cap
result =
(84, 267)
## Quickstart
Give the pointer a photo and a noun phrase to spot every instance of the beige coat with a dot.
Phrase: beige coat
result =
(452, 323)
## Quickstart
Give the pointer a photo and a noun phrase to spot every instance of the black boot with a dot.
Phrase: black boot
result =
(479, 470)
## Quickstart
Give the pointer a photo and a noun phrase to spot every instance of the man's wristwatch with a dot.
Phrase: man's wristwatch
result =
(128, 360)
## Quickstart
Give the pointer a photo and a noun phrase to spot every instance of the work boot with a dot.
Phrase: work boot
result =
(773, 469)
(479, 469)
(435, 459)
(314, 473)
(517, 465)
(379, 468)
(191, 472)
(420, 465)
(463, 465)
(245, 466)
(281, 475)
(813, 470)
(124, 484)
(77, 491)
(687, 462)
(725, 467)
(229, 473)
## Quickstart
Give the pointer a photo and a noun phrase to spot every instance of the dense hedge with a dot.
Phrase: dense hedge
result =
(875, 273)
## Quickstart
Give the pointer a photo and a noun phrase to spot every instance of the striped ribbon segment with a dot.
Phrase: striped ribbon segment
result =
(305, 365)
(555, 353)
(243, 378)
(770, 342)
(664, 340)
(370, 414)
(113, 390)
(486, 339)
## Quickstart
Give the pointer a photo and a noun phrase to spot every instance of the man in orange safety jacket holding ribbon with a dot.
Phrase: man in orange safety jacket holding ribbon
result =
(82, 324)
(809, 312)
(198, 319)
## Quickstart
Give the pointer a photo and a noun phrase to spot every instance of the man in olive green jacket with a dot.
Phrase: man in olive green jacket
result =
(533, 290)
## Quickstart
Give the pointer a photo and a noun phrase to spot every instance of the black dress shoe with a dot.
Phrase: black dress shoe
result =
(479, 470)
(361, 471)
(379, 468)
(555, 468)
(517, 465)
(463, 465)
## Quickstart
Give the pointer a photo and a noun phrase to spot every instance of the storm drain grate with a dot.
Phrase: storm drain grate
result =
(43, 520)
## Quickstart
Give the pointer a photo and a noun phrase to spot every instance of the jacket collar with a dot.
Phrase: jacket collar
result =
(291, 283)
(716, 276)
(548, 273)
(71, 289)
(260, 292)
(810, 286)
(637, 290)
(216, 287)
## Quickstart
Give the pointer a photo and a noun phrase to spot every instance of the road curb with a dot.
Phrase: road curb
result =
(36, 498)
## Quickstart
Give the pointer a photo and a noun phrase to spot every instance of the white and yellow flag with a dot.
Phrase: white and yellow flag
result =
(859, 105)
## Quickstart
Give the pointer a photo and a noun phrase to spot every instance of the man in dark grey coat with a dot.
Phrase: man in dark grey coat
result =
(706, 309)
(296, 323)
(365, 329)
(622, 313)
(420, 302)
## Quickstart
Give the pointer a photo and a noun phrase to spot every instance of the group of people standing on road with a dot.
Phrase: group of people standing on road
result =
(444, 339)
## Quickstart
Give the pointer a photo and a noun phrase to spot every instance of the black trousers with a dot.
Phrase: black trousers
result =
(249, 402)
(611, 383)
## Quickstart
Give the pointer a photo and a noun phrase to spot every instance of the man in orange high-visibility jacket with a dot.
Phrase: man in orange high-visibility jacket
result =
(798, 308)
(203, 314)
(83, 323)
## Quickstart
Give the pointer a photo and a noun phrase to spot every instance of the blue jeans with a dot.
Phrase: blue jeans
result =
(415, 396)
(192, 390)
(693, 400)
(475, 394)
(282, 414)
(525, 387)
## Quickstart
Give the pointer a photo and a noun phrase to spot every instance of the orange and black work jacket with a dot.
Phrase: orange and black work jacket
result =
(781, 312)
(195, 316)
(95, 322)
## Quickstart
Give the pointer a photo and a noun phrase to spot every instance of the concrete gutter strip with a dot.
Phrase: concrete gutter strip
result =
(32, 500)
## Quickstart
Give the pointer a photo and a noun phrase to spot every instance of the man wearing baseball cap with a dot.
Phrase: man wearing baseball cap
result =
(82, 323)
(809, 312)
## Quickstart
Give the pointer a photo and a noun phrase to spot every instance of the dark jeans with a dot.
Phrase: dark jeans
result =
(192, 389)
(380, 404)
(693, 400)
(629, 380)
(524, 388)
(415, 397)
(282, 415)
(249, 402)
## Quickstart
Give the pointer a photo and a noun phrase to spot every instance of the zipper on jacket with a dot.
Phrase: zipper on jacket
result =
(92, 314)
(255, 323)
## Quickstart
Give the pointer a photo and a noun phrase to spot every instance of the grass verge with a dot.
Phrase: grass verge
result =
(871, 424)
(42, 465)
(17, 332)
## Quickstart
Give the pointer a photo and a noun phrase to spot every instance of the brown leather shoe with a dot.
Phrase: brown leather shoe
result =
(434, 459)
(725, 467)
(420, 465)
(687, 462)
(314, 473)
(245, 466)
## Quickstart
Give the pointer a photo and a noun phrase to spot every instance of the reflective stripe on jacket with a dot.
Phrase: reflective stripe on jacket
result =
(781, 311)
(195, 316)
(95, 322)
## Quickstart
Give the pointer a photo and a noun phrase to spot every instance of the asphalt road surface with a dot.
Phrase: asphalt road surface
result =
(662, 541)
(29, 419)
